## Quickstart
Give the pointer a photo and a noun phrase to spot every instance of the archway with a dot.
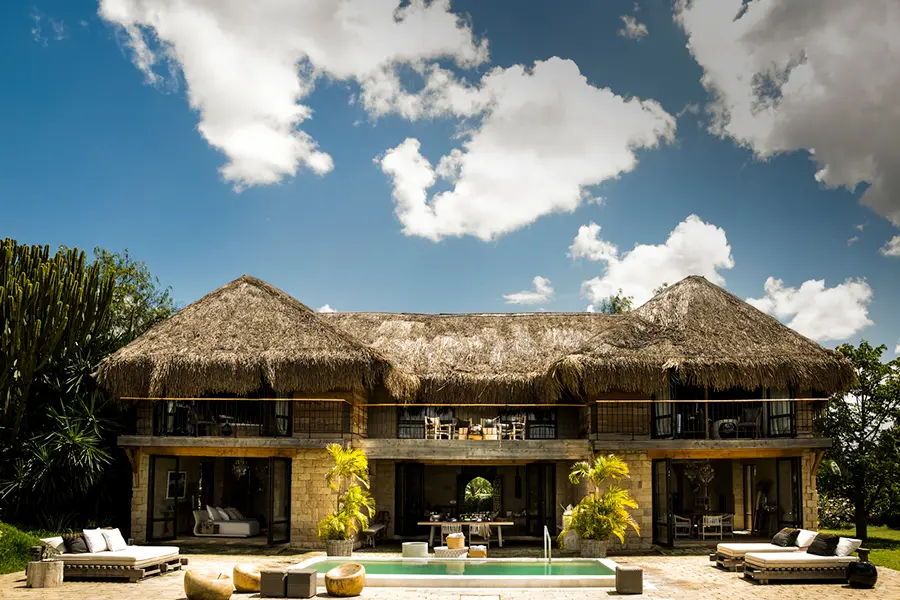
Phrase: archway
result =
(478, 496)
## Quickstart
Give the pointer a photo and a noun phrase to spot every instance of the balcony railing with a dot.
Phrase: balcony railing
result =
(222, 418)
(701, 419)
(474, 423)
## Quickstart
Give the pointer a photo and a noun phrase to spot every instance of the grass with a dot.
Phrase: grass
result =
(884, 543)
(15, 548)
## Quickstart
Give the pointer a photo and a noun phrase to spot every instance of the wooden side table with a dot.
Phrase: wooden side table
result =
(45, 573)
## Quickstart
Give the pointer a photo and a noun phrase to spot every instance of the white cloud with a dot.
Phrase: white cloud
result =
(815, 75)
(818, 312)
(543, 292)
(861, 226)
(633, 30)
(693, 248)
(691, 108)
(545, 134)
(247, 71)
(897, 349)
(325, 309)
(852, 240)
(892, 247)
(57, 27)
(587, 244)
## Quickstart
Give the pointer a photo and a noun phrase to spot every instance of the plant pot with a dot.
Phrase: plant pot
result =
(593, 548)
(339, 547)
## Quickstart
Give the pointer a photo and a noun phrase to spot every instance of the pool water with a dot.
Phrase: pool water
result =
(535, 568)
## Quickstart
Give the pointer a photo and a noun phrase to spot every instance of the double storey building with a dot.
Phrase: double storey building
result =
(238, 394)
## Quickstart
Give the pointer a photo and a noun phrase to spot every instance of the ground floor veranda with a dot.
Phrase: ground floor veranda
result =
(665, 578)
(285, 492)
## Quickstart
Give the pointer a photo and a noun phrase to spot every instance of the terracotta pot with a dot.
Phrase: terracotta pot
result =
(246, 578)
(339, 547)
(207, 586)
(593, 548)
(346, 580)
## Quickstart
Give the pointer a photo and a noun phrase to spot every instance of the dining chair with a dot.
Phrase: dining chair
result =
(711, 526)
(435, 430)
(447, 529)
(683, 527)
(517, 427)
(728, 525)
(482, 531)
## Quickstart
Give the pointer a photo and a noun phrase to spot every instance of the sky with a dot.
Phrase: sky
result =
(412, 156)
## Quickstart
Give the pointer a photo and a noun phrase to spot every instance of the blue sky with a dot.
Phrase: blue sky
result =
(96, 154)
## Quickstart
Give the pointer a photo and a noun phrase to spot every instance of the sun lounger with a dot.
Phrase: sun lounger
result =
(132, 563)
(765, 566)
(731, 555)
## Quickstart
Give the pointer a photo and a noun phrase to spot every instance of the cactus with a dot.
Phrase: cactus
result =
(49, 305)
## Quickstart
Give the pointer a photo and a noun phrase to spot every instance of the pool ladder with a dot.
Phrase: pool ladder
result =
(548, 546)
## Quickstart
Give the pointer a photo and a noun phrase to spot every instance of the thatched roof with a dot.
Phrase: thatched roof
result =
(477, 358)
(243, 337)
(706, 337)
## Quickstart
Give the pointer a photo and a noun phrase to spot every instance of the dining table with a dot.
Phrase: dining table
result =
(434, 524)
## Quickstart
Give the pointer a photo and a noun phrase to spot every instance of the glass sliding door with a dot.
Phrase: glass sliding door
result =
(663, 523)
(409, 498)
(788, 492)
(540, 498)
(279, 500)
(167, 487)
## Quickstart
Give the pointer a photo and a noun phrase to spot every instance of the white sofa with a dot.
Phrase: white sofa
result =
(132, 563)
(241, 528)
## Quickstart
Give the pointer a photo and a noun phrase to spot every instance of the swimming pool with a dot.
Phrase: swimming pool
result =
(511, 572)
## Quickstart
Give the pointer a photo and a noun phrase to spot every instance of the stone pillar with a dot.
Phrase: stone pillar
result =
(737, 484)
(809, 494)
(139, 499)
(311, 498)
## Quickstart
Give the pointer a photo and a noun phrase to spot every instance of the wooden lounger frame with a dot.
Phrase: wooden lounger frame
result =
(132, 574)
(836, 571)
(729, 563)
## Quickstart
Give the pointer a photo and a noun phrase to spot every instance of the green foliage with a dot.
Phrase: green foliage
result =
(349, 478)
(658, 290)
(834, 512)
(864, 459)
(139, 301)
(884, 542)
(620, 303)
(601, 515)
(15, 548)
(50, 308)
(478, 496)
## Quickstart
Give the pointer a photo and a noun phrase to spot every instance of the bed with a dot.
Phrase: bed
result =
(231, 527)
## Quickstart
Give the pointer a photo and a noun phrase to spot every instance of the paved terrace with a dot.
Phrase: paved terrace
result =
(665, 578)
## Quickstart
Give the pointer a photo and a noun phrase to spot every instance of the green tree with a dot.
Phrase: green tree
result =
(657, 291)
(50, 307)
(613, 305)
(139, 301)
(600, 515)
(864, 461)
(349, 479)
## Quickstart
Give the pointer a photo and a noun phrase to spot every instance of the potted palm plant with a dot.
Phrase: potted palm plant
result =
(349, 479)
(600, 515)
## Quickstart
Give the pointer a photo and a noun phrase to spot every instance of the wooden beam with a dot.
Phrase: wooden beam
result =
(237, 452)
(714, 453)
(134, 459)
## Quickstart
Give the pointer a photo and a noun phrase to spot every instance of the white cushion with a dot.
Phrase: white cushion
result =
(805, 538)
(794, 560)
(57, 543)
(94, 540)
(233, 514)
(739, 549)
(114, 540)
(240, 516)
(132, 556)
(212, 512)
(847, 546)
(223, 516)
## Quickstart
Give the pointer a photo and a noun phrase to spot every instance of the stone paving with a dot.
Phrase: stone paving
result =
(665, 578)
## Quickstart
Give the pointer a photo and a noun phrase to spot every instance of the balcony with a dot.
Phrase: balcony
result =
(752, 419)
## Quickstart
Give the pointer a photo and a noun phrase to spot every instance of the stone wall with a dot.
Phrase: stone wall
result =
(311, 498)
(809, 499)
(640, 486)
(382, 475)
(139, 495)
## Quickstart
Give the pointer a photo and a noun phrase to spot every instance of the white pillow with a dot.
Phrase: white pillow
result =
(238, 514)
(805, 538)
(223, 516)
(212, 512)
(94, 540)
(233, 514)
(114, 539)
(847, 546)
(57, 543)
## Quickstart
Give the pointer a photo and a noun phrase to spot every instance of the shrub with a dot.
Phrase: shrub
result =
(15, 548)
(835, 512)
